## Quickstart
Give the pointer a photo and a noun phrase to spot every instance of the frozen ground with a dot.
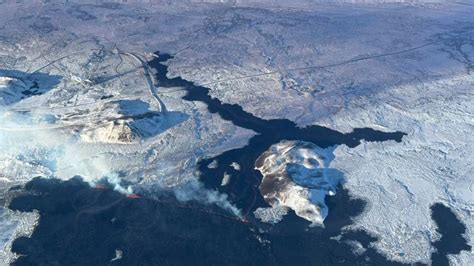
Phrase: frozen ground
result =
(432, 164)
(393, 66)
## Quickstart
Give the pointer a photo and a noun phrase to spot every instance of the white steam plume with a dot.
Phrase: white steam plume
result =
(194, 190)
(32, 145)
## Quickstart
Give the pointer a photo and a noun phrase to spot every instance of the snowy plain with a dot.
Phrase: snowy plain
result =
(391, 66)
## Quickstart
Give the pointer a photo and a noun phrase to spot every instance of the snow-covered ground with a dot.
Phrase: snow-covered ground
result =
(391, 66)
(296, 176)
(432, 164)
(14, 225)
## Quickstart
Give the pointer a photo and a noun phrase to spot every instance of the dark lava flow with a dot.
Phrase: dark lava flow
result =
(80, 225)
(451, 230)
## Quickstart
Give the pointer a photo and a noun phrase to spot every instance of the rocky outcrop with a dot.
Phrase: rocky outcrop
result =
(296, 176)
